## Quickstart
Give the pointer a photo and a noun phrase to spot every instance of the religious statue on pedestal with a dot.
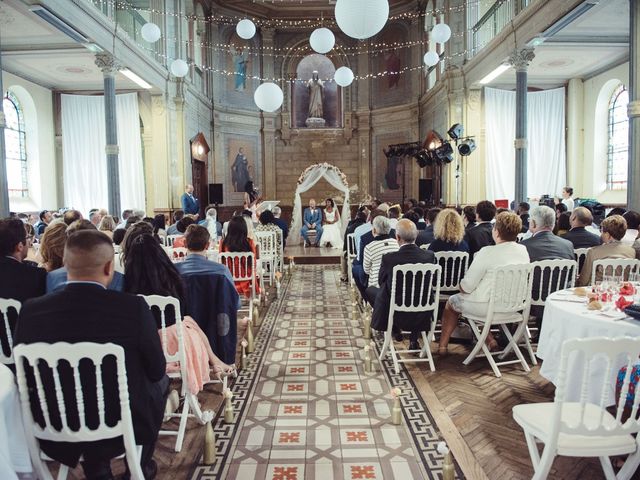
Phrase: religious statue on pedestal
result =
(316, 96)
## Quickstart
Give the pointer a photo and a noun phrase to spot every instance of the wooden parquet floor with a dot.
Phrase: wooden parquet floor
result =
(479, 406)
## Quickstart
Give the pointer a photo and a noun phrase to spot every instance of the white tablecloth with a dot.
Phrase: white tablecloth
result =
(564, 319)
(14, 452)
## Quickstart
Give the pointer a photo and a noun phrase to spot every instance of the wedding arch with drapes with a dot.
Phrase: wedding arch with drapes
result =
(546, 165)
(84, 158)
(308, 179)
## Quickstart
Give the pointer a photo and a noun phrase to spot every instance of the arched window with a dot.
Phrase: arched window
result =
(15, 147)
(618, 152)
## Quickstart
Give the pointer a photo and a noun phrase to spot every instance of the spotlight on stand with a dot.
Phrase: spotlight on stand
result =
(456, 131)
(424, 158)
(466, 147)
(444, 153)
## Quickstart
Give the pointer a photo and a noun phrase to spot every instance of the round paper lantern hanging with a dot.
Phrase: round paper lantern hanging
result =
(343, 76)
(441, 33)
(150, 32)
(268, 97)
(322, 40)
(179, 68)
(361, 18)
(246, 29)
(431, 59)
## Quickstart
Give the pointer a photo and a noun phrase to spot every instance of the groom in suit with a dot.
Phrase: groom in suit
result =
(190, 204)
(312, 219)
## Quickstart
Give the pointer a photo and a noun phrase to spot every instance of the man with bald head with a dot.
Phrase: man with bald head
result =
(85, 311)
(409, 252)
(581, 217)
(190, 204)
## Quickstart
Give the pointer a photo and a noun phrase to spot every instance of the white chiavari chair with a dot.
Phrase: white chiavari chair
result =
(581, 255)
(583, 428)
(351, 255)
(169, 239)
(191, 406)
(623, 267)
(415, 288)
(6, 339)
(266, 241)
(46, 358)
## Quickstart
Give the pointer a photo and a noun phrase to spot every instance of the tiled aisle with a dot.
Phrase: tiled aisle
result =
(314, 412)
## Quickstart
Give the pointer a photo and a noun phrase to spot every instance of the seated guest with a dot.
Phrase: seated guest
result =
(125, 216)
(616, 211)
(382, 243)
(71, 216)
(311, 220)
(422, 224)
(197, 241)
(57, 278)
(481, 235)
(159, 225)
(560, 208)
(132, 220)
(523, 211)
(448, 233)
(237, 240)
(544, 245)
(118, 236)
(52, 246)
(475, 292)
(85, 311)
(633, 220)
(357, 271)
(268, 224)
(636, 247)
(182, 228)
(409, 252)
(580, 218)
(394, 215)
(18, 280)
(107, 226)
(366, 227)
(173, 228)
(277, 211)
(425, 236)
(45, 219)
(211, 223)
(563, 225)
(469, 217)
(359, 219)
(151, 272)
(32, 258)
(613, 231)
(410, 204)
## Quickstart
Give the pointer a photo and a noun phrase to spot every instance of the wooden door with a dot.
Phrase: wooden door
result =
(200, 186)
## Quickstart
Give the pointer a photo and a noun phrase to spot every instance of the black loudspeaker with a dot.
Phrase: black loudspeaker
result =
(425, 189)
(215, 193)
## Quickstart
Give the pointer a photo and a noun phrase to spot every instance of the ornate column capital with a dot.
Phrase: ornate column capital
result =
(520, 59)
(268, 34)
(107, 63)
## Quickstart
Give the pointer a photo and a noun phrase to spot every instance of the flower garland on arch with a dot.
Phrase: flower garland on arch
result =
(326, 165)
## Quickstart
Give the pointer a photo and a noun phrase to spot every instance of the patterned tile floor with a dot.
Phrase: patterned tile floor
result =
(311, 412)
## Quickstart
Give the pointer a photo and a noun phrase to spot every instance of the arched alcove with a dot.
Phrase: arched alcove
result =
(300, 91)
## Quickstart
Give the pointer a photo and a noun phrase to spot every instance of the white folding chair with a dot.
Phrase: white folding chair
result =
(43, 357)
(614, 266)
(190, 400)
(242, 266)
(279, 250)
(266, 241)
(169, 239)
(454, 265)
(581, 255)
(586, 429)
(6, 339)
(417, 287)
(510, 303)
(178, 254)
(351, 255)
(548, 276)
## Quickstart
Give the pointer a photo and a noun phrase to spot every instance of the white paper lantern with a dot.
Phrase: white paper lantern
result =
(441, 33)
(322, 40)
(246, 29)
(150, 32)
(431, 58)
(343, 76)
(179, 68)
(361, 18)
(268, 97)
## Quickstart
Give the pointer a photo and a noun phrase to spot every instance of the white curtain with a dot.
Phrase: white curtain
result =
(84, 157)
(546, 166)
(313, 176)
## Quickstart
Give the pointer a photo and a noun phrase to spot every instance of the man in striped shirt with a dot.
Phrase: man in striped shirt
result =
(382, 243)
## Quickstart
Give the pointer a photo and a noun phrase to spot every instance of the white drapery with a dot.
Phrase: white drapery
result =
(84, 157)
(546, 165)
(334, 177)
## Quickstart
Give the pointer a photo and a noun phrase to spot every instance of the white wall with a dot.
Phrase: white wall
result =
(37, 105)
(593, 166)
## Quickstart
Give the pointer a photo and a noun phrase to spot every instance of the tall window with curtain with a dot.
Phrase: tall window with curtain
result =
(618, 151)
(15, 147)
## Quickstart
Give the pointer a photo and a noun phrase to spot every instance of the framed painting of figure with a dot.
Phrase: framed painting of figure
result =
(391, 88)
(239, 61)
(242, 161)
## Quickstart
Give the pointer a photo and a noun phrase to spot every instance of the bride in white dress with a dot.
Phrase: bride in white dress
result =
(331, 232)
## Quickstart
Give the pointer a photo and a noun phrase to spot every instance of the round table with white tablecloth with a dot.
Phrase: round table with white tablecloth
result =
(14, 452)
(566, 316)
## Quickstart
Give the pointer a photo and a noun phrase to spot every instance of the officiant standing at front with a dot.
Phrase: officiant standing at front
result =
(312, 221)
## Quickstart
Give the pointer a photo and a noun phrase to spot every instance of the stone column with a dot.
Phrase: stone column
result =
(4, 185)
(633, 176)
(107, 63)
(520, 61)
